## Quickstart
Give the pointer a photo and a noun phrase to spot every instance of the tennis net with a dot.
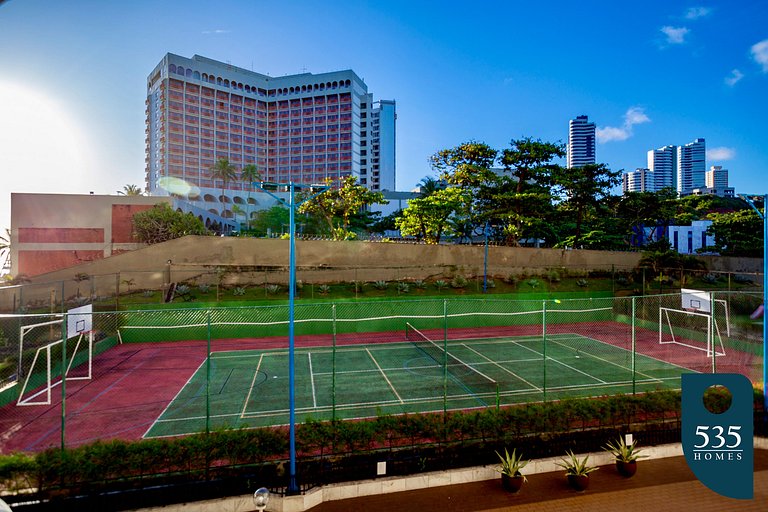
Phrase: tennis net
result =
(470, 378)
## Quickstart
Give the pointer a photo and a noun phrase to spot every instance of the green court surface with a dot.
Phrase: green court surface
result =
(250, 388)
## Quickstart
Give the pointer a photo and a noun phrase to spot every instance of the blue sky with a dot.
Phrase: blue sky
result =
(73, 76)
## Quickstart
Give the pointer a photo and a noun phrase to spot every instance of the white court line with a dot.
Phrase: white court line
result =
(385, 376)
(562, 364)
(312, 380)
(537, 388)
(250, 389)
(168, 405)
(602, 359)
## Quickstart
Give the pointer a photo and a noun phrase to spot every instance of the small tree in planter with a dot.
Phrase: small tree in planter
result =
(626, 456)
(577, 470)
(511, 477)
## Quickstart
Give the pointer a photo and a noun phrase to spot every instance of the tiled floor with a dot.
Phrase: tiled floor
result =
(660, 485)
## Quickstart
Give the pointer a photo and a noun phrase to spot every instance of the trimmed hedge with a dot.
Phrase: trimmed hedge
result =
(337, 450)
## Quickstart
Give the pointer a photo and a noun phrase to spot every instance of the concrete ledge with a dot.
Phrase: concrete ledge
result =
(386, 485)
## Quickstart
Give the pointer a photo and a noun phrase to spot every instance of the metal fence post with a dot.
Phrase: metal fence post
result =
(333, 364)
(544, 344)
(634, 347)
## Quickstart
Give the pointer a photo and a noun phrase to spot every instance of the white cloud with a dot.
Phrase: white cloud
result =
(610, 133)
(675, 35)
(734, 77)
(721, 153)
(694, 13)
(633, 116)
(217, 31)
(760, 54)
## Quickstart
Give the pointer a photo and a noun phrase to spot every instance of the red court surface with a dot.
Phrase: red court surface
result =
(133, 383)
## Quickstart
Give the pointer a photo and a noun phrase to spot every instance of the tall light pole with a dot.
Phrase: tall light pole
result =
(290, 188)
(749, 198)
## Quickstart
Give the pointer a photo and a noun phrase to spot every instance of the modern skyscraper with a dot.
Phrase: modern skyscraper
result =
(302, 128)
(716, 177)
(691, 166)
(662, 163)
(581, 142)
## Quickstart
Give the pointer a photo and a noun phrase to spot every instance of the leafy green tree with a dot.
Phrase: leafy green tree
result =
(162, 223)
(647, 209)
(339, 207)
(131, 190)
(584, 189)
(468, 167)
(523, 200)
(226, 172)
(737, 233)
(386, 223)
(427, 218)
(270, 220)
(248, 175)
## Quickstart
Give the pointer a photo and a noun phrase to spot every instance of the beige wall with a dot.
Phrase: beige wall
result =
(196, 258)
(72, 228)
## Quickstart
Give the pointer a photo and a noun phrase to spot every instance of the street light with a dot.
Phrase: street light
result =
(261, 498)
(750, 199)
(314, 190)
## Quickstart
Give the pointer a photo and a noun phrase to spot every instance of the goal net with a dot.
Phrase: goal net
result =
(696, 328)
(47, 355)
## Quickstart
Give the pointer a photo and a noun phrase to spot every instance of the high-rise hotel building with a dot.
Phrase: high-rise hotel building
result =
(581, 142)
(303, 128)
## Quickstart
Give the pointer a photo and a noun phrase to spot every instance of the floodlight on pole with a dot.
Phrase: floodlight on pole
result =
(315, 190)
(750, 199)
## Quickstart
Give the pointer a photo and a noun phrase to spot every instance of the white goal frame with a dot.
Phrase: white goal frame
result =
(714, 343)
(51, 381)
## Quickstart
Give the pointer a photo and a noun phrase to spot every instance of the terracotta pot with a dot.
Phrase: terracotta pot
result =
(626, 469)
(578, 482)
(512, 483)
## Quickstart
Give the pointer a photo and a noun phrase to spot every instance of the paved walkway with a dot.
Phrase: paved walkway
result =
(659, 485)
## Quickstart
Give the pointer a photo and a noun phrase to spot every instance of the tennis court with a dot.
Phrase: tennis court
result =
(164, 373)
(250, 388)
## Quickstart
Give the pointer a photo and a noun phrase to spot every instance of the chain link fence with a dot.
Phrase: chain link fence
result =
(171, 372)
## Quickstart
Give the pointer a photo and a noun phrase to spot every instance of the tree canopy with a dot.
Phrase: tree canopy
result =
(738, 233)
(162, 223)
(341, 205)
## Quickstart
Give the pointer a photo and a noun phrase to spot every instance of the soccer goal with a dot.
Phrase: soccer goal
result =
(699, 324)
(71, 355)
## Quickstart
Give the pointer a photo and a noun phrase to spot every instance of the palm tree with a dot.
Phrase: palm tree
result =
(224, 171)
(131, 190)
(5, 249)
(249, 174)
(429, 185)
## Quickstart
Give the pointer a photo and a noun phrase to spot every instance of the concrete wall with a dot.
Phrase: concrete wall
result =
(256, 260)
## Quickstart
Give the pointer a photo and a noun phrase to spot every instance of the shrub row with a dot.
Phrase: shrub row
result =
(121, 465)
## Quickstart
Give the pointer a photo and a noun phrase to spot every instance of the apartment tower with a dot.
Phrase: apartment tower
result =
(662, 163)
(691, 166)
(581, 142)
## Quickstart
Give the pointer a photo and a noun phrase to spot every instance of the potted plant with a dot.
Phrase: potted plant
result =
(511, 464)
(626, 456)
(577, 470)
